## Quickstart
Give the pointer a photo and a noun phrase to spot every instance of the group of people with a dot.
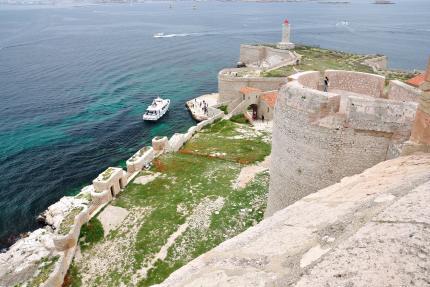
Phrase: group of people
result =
(201, 104)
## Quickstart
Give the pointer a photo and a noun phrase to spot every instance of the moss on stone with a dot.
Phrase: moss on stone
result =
(68, 221)
(46, 267)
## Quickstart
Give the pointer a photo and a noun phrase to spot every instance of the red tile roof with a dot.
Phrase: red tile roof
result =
(249, 90)
(416, 81)
(270, 98)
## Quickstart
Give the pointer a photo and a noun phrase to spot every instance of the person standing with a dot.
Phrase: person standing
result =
(326, 81)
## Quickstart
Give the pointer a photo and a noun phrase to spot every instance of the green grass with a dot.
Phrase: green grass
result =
(186, 179)
(240, 119)
(91, 233)
(222, 140)
(318, 59)
(242, 209)
(72, 278)
(223, 108)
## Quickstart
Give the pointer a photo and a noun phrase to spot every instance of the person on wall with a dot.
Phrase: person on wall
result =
(326, 81)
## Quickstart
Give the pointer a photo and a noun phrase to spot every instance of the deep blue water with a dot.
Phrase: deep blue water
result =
(74, 81)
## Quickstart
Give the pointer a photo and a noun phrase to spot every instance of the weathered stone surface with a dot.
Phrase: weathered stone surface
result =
(21, 261)
(370, 229)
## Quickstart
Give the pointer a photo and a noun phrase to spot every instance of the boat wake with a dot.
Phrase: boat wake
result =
(344, 25)
(162, 35)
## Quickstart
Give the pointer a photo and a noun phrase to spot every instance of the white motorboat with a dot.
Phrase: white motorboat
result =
(157, 109)
(159, 35)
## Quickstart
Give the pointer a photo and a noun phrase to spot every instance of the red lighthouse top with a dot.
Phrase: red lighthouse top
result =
(286, 22)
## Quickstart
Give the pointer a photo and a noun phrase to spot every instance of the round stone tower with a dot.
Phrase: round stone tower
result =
(285, 43)
(421, 129)
(321, 137)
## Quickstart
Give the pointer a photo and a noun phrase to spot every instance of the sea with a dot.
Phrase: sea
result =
(76, 79)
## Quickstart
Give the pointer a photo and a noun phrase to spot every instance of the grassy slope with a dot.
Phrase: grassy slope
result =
(204, 169)
(318, 59)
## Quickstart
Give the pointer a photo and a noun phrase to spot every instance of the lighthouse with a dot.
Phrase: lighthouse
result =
(285, 44)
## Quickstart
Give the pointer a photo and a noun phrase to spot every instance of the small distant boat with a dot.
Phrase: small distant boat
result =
(159, 35)
(157, 109)
(383, 2)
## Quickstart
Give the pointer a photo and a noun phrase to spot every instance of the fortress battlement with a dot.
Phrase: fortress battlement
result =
(320, 137)
(355, 100)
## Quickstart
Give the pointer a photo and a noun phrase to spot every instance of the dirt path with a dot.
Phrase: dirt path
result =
(248, 173)
(111, 217)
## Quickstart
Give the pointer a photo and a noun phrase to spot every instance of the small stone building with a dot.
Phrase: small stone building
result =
(258, 104)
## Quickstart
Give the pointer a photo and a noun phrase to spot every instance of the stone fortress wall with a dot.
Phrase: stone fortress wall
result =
(229, 83)
(319, 138)
(256, 58)
(369, 229)
(267, 57)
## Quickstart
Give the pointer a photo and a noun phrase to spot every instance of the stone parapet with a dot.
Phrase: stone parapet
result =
(356, 82)
(141, 158)
(400, 91)
(160, 144)
(380, 115)
(113, 178)
(257, 55)
(69, 240)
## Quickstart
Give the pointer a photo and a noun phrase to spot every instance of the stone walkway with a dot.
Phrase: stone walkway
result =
(111, 217)
(196, 105)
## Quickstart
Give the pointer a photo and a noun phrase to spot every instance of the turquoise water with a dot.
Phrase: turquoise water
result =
(74, 81)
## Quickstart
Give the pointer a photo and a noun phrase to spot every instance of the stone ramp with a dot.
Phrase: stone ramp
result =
(371, 229)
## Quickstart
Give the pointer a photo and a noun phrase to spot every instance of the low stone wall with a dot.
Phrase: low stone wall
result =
(356, 82)
(57, 276)
(63, 242)
(178, 139)
(140, 159)
(229, 86)
(310, 79)
(377, 63)
(400, 91)
(380, 115)
(257, 54)
(251, 53)
(116, 179)
(160, 144)
(99, 198)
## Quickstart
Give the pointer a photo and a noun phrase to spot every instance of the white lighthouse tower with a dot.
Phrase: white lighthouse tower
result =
(285, 44)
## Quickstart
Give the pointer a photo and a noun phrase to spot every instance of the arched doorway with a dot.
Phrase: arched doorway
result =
(112, 192)
(121, 183)
(252, 110)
